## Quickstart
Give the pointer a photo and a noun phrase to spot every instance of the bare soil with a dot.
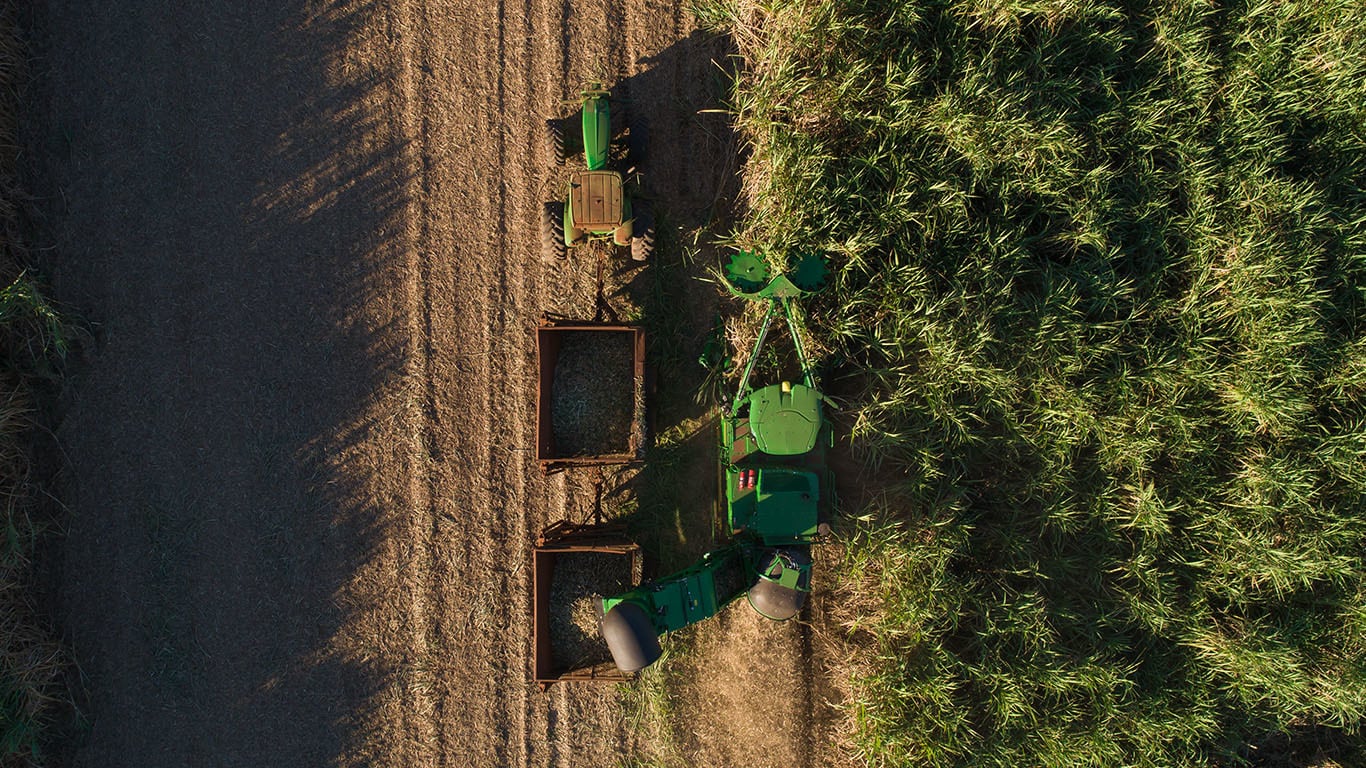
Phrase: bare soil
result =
(299, 449)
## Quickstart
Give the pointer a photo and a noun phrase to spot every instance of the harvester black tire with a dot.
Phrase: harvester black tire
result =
(552, 232)
(631, 637)
(554, 139)
(637, 143)
(772, 600)
(643, 236)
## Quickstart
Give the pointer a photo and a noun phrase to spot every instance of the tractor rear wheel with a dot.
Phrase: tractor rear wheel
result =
(643, 236)
(554, 139)
(552, 232)
(622, 234)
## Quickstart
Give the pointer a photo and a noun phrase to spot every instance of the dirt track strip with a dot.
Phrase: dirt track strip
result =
(301, 469)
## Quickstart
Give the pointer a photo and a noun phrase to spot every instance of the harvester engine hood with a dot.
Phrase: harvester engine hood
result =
(785, 418)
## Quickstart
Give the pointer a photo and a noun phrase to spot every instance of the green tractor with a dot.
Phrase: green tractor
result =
(600, 202)
(777, 492)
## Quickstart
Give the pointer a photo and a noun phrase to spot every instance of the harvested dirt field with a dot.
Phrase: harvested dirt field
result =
(299, 446)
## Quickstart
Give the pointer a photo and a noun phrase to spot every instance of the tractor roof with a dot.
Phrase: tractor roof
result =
(595, 199)
(785, 418)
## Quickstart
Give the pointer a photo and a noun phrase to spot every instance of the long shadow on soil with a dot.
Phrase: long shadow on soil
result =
(692, 181)
(224, 192)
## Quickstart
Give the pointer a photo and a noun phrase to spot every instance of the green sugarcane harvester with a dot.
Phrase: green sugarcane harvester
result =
(777, 491)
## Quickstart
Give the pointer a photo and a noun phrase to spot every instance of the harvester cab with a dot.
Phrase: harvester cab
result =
(599, 201)
(776, 489)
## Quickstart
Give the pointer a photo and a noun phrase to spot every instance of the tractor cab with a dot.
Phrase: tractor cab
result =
(596, 202)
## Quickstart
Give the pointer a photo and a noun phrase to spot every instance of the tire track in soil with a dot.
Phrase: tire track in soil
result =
(448, 558)
(459, 567)
(424, 712)
(550, 20)
(485, 287)
(506, 475)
